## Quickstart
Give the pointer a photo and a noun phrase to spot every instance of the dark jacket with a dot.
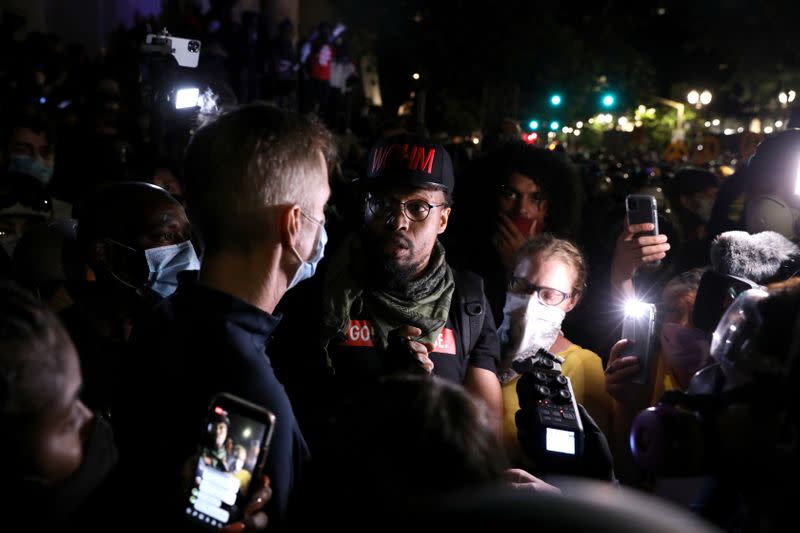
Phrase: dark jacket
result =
(196, 344)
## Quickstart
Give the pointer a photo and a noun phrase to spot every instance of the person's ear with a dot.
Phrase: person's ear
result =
(573, 301)
(686, 303)
(444, 216)
(290, 225)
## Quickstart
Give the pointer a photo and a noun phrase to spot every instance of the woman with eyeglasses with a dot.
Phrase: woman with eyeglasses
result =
(547, 282)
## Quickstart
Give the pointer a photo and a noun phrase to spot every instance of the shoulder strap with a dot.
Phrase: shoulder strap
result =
(471, 311)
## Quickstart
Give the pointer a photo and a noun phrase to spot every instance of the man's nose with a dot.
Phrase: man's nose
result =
(397, 219)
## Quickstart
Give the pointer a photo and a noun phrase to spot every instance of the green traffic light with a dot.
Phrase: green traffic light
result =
(555, 99)
(554, 125)
(533, 124)
(608, 100)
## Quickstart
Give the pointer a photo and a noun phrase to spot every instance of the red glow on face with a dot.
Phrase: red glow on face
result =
(523, 224)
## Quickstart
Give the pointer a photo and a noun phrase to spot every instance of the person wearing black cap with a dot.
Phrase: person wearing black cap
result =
(214, 453)
(390, 302)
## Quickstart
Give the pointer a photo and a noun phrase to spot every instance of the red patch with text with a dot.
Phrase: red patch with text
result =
(446, 343)
(360, 333)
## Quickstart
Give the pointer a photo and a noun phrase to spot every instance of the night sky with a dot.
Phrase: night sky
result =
(744, 51)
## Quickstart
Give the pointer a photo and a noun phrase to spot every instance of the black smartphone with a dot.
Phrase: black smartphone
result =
(642, 208)
(233, 447)
(639, 326)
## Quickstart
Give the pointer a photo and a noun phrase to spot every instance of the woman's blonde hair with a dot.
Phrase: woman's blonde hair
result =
(548, 246)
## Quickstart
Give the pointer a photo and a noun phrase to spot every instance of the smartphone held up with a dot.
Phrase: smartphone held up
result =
(231, 454)
(638, 326)
(642, 209)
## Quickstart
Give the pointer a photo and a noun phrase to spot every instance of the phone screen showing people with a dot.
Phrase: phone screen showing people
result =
(560, 441)
(225, 467)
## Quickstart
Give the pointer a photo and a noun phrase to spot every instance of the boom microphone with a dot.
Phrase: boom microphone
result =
(760, 257)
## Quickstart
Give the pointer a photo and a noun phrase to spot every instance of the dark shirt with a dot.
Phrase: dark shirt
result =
(355, 356)
(196, 344)
(316, 388)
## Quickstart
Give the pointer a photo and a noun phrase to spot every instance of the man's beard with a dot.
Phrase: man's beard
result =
(385, 271)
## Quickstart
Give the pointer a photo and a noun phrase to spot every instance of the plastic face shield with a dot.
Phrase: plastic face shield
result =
(736, 328)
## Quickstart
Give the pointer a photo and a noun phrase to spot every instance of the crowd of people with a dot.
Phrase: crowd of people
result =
(381, 303)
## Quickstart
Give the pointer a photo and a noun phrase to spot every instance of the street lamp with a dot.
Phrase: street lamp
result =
(698, 98)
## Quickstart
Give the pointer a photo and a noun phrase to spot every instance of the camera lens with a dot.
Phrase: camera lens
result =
(193, 46)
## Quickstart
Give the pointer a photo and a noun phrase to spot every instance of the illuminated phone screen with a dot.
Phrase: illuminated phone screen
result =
(560, 441)
(228, 457)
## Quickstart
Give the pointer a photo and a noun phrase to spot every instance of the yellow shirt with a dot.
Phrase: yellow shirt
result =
(664, 381)
(584, 368)
(244, 480)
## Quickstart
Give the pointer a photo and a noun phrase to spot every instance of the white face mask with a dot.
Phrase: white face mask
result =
(308, 267)
(528, 325)
(166, 262)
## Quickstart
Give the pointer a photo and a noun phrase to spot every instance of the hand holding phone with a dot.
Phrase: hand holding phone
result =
(230, 460)
(638, 245)
(642, 209)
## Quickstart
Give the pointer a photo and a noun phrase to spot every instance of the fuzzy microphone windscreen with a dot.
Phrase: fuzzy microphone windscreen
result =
(757, 257)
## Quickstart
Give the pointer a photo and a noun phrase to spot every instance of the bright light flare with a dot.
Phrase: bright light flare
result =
(188, 97)
(635, 308)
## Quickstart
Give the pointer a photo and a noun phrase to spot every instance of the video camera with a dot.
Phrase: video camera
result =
(548, 423)
(737, 423)
(174, 93)
(185, 51)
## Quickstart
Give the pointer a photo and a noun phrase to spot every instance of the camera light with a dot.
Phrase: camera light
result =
(187, 97)
(635, 308)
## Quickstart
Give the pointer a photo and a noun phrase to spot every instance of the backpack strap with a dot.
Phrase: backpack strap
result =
(471, 307)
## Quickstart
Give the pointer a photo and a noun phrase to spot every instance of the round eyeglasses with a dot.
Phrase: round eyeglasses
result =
(414, 210)
(546, 295)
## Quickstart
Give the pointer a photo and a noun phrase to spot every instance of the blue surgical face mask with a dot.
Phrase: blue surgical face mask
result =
(31, 166)
(165, 262)
(307, 268)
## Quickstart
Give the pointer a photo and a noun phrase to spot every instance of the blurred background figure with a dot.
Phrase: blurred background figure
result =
(693, 195)
(518, 192)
